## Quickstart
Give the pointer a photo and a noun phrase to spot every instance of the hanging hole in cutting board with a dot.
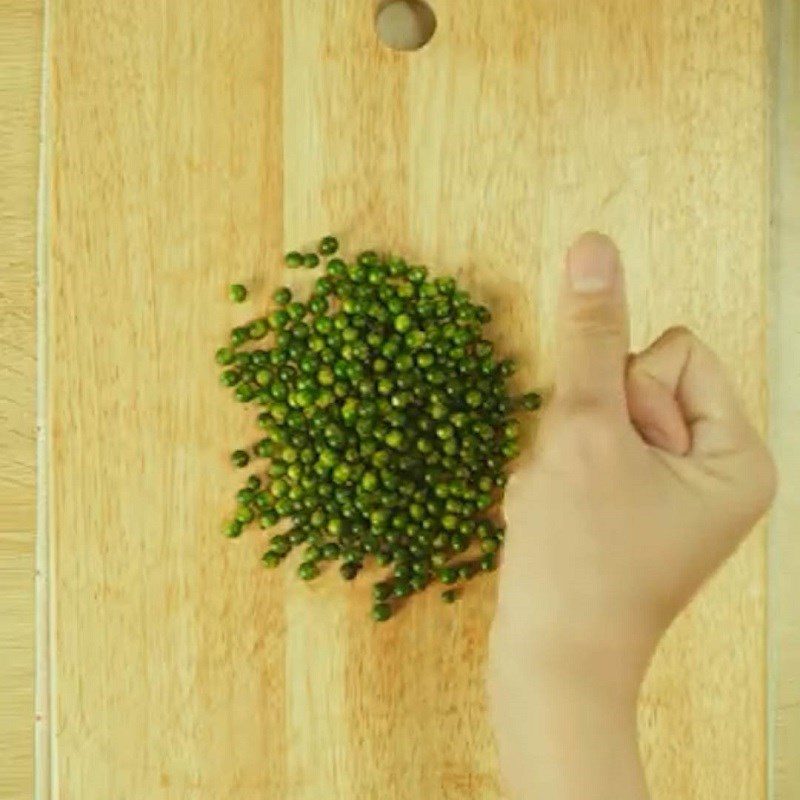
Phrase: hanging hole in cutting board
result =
(405, 24)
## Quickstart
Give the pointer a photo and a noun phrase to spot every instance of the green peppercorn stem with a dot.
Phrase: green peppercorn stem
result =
(386, 424)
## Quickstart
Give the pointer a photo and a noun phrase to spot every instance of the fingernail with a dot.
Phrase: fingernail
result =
(591, 264)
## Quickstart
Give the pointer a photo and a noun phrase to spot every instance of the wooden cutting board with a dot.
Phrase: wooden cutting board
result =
(189, 143)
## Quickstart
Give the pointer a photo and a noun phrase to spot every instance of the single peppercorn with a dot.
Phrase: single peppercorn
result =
(239, 336)
(280, 544)
(224, 356)
(328, 245)
(270, 559)
(381, 612)
(244, 514)
(448, 575)
(230, 377)
(239, 458)
(531, 401)
(349, 570)
(237, 292)
(258, 329)
(330, 550)
(450, 595)
(308, 570)
(282, 296)
(381, 590)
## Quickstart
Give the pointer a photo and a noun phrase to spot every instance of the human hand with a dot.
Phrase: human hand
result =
(645, 476)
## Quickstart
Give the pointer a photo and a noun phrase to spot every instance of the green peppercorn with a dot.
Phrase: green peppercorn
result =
(239, 336)
(278, 319)
(310, 260)
(336, 267)
(224, 356)
(280, 544)
(293, 259)
(282, 296)
(418, 582)
(449, 595)
(244, 514)
(417, 274)
(487, 562)
(402, 322)
(239, 458)
(295, 311)
(381, 590)
(386, 418)
(230, 377)
(233, 529)
(381, 612)
(394, 439)
(328, 245)
(531, 401)
(330, 550)
(297, 536)
(448, 574)
(244, 392)
(313, 553)
(270, 559)
(237, 292)
(308, 570)
(349, 570)
(269, 518)
(258, 329)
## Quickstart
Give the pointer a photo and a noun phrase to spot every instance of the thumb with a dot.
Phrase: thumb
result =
(592, 338)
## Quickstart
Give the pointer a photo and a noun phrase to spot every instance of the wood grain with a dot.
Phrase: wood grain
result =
(166, 181)
(192, 142)
(784, 612)
(20, 71)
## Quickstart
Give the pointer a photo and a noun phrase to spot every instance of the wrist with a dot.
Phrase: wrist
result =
(607, 668)
(566, 727)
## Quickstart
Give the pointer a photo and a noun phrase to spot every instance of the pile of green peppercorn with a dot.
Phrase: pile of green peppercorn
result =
(385, 421)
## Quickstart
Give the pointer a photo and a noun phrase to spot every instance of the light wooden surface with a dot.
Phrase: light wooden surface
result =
(784, 610)
(20, 70)
(190, 143)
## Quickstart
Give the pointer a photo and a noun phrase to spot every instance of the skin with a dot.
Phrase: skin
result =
(645, 477)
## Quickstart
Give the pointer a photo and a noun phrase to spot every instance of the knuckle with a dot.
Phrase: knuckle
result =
(584, 435)
(582, 403)
(596, 320)
(679, 334)
(680, 331)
